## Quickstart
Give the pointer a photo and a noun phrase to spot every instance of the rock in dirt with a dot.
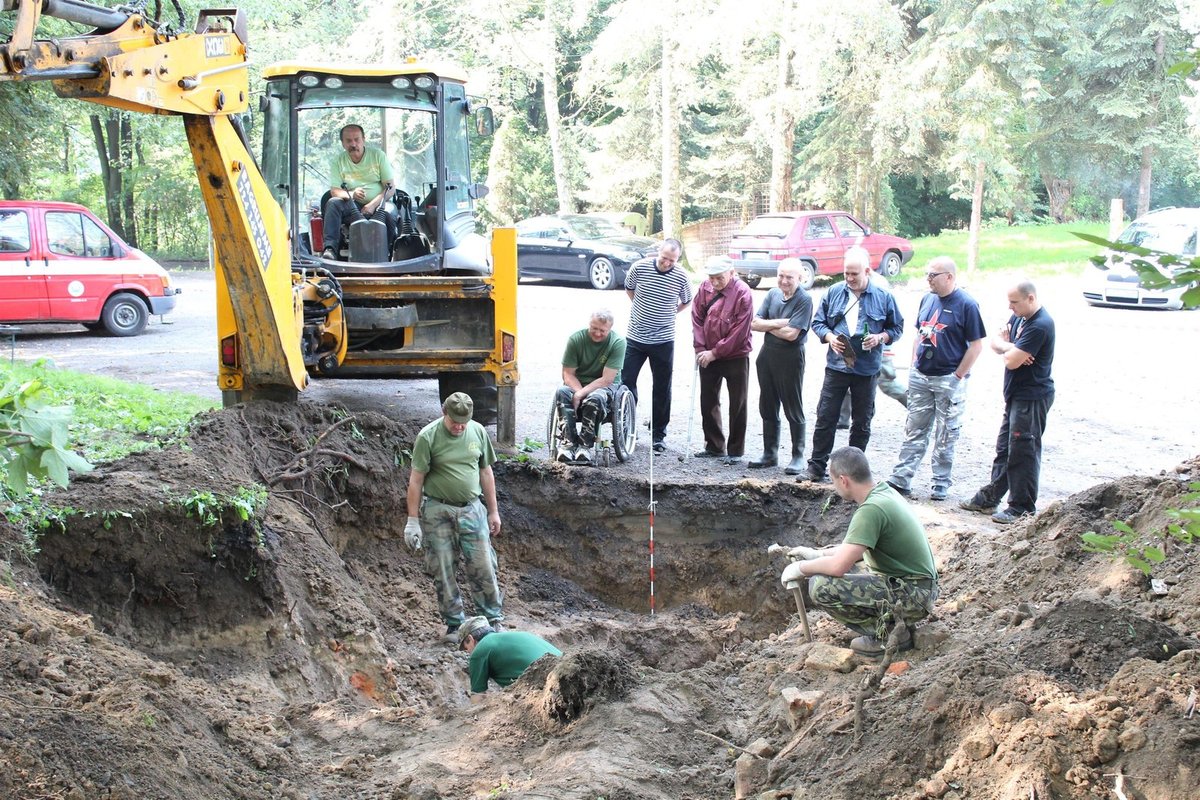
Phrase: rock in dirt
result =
(827, 657)
(749, 774)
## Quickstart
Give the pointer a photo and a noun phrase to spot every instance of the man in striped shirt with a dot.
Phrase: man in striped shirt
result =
(659, 289)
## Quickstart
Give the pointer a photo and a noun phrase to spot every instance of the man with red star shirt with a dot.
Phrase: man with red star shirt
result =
(950, 337)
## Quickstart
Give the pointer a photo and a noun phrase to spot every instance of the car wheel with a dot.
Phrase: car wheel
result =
(808, 275)
(753, 280)
(124, 315)
(602, 274)
(890, 266)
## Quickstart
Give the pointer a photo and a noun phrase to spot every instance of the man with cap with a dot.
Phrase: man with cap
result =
(502, 656)
(721, 317)
(451, 469)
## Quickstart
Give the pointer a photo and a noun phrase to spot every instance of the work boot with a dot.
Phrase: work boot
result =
(796, 465)
(872, 647)
(451, 635)
(770, 456)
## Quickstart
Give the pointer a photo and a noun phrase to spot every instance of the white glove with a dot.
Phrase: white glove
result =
(412, 533)
(791, 575)
(803, 553)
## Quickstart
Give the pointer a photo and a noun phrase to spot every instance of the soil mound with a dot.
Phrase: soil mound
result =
(239, 618)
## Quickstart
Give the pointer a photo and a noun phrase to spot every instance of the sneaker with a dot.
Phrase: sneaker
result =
(706, 453)
(1008, 516)
(329, 254)
(584, 455)
(900, 490)
(660, 446)
(937, 493)
(566, 455)
(873, 648)
(975, 505)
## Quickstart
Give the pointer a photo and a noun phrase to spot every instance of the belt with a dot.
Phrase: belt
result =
(448, 503)
(924, 583)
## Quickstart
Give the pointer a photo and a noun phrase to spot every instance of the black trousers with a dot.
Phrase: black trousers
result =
(1018, 463)
(735, 372)
(780, 381)
(341, 211)
(662, 365)
(862, 409)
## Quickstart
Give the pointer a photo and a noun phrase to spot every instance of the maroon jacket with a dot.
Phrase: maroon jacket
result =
(721, 322)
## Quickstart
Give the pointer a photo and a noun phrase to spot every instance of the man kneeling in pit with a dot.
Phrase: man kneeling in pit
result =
(885, 535)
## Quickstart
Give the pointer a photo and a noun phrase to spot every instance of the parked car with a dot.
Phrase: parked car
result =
(574, 247)
(818, 239)
(59, 263)
(1166, 230)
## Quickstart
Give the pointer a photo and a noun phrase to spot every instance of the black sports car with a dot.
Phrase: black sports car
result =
(574, 247)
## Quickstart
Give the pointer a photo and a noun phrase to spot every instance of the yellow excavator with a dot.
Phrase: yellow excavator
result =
(430, 299)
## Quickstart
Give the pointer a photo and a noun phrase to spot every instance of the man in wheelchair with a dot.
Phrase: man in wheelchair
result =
(591, 369)
(361, 179)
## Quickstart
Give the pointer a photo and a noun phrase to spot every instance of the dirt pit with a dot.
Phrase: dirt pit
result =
(163, 646)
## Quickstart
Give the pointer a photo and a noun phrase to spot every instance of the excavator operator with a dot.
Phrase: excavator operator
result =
(361, 179)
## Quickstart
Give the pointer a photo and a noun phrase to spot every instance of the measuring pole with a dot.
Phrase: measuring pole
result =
(652, 504)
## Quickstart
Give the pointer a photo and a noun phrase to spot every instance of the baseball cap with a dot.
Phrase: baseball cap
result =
(717, 265)
(470, 626)
(460, 407)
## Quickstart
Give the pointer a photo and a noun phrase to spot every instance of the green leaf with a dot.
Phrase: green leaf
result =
(1123, 527)
(1153, 554)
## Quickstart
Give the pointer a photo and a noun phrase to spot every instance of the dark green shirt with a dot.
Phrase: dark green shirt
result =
(504, 657)
(895, 541)
(451, 463)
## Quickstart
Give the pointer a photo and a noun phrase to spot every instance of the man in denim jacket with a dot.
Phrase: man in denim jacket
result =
(856, 318)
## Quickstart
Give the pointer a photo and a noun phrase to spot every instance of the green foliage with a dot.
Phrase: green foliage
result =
(922, 210)
(246, 502)
(1155, 270)
(1034, 250)
(112, 418)
(1144, 551)
(33, 518)
(34, 444)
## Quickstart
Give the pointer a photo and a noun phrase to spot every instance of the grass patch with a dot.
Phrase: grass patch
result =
(1033, 250)
(112, 418)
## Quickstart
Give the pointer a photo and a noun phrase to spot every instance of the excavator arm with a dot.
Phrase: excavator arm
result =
(137, 64)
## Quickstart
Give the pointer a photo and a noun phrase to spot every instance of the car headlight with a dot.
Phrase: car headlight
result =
(631, 255)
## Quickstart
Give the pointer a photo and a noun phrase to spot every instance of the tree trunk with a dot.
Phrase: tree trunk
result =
(783, 134)
(672, 215)
(976, 218)
(1058, 193)
(114, 146)
(566, 203)
(1143, 201)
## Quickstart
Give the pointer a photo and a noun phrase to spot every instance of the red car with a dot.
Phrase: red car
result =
(818, 239)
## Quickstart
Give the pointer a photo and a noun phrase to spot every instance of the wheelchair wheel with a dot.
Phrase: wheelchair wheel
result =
(553, 429)
(624, 424)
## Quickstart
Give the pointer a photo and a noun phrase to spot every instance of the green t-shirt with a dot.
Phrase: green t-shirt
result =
(590, 358)
(371, 173)
(895, 541)
(504, 656)
(451, 463)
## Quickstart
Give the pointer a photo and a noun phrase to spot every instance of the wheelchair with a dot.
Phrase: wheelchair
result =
(620, 426)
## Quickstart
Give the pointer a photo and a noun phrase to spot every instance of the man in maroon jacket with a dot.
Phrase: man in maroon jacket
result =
(721, 316)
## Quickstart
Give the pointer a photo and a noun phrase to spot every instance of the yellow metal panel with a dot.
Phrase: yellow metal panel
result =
(250, 236)
(504, 279)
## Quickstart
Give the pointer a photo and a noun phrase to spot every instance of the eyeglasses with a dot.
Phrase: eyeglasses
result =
(931, 275)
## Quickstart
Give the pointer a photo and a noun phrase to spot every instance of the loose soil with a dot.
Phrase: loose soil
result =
(150, 651)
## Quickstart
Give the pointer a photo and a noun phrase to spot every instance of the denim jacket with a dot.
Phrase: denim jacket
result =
(882, 315)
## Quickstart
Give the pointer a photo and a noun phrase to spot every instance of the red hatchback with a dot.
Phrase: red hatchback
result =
(818, 239)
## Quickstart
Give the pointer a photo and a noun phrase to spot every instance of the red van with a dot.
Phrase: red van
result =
(58, 263)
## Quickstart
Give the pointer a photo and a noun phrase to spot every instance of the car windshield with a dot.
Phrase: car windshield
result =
(1179, 239)
(593, 228)
(769, 226)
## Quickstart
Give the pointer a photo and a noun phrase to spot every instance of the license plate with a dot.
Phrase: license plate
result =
(755, 255)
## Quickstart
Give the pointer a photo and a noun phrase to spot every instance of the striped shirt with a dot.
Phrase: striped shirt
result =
(656, 300)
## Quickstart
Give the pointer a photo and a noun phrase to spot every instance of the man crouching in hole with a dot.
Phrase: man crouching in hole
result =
(502, 656)
(885, 535)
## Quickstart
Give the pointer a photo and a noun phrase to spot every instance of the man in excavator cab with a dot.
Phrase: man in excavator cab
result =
(362, 185)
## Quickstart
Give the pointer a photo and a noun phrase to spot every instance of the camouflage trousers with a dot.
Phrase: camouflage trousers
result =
(450, 530)
(862, 601)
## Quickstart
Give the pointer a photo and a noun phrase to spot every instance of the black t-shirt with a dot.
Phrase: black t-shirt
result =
(1036, 337)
